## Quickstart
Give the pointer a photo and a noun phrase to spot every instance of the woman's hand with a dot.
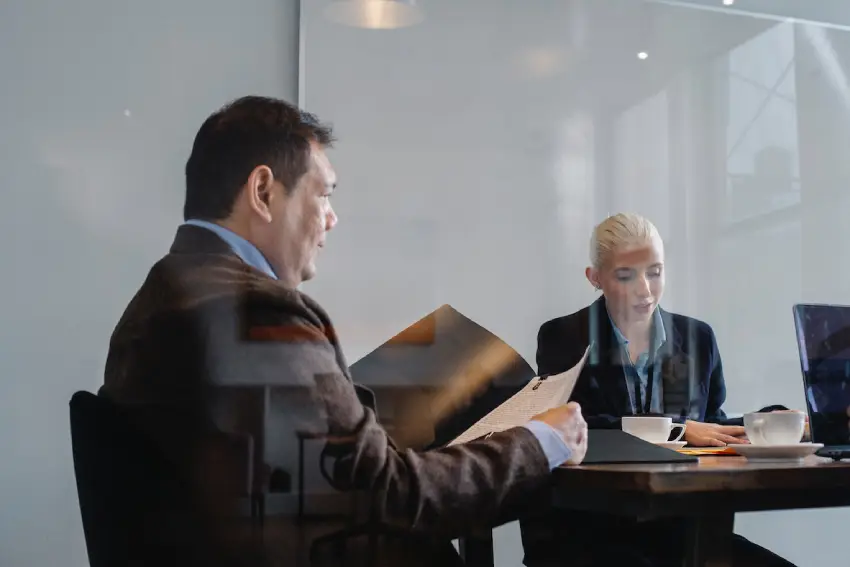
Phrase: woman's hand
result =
(701, 434)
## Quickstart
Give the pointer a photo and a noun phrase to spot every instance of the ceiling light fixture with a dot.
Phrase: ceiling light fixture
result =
(728, 2)
(643, 55)
(375, 14)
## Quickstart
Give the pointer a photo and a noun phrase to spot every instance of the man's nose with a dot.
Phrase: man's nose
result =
(331, 219)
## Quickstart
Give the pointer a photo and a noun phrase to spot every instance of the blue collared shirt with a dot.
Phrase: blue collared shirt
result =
(640, 367)
(554, 446)
(241, 247)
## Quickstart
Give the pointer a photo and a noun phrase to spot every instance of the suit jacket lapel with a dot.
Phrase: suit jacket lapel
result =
(676, 372)
(608, 359)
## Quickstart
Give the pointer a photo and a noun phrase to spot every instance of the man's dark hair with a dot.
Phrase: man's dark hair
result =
(248, 132)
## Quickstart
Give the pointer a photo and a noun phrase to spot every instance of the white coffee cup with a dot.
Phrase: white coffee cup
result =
(651, 428)
(775, 428)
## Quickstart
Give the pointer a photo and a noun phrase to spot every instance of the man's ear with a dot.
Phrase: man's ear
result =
(259, 189)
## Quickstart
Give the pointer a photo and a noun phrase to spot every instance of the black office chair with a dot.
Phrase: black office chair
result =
(135, 507)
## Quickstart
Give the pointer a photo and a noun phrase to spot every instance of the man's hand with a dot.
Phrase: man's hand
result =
(568, 421)
(701, 434)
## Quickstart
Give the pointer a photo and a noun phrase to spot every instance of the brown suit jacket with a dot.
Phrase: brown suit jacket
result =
(203, 319)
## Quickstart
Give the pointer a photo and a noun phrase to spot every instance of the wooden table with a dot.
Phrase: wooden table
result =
(705, 495)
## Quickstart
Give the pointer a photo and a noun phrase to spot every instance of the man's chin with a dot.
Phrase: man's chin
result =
(308, 273)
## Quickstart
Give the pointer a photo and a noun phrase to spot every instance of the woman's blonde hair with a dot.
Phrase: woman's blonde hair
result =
(618, 230)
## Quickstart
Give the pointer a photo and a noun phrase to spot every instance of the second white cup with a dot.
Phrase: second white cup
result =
(775, 428)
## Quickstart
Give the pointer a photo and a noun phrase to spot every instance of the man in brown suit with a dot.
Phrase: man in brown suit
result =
(223, 307)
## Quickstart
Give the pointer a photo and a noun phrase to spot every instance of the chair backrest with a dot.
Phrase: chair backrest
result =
(128, 491)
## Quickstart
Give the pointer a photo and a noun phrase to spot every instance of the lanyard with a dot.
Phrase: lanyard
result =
(645, 406)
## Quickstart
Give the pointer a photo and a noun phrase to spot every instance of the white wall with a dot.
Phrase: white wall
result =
(500, 135)
(91, 198)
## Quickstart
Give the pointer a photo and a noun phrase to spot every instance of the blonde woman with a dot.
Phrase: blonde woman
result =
(643, 360)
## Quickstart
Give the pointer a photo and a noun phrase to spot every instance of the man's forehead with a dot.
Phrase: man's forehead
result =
(322, 164)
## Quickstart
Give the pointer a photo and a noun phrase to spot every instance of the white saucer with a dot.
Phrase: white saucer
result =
(672, 444)
(776, 452)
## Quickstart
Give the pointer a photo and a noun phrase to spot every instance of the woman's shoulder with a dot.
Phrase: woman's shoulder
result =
(685, 325)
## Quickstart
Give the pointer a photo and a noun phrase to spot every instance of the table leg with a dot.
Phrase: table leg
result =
(477, 550)
(709, 542)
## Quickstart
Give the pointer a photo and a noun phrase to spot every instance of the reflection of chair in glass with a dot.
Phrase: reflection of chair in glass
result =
(246, 433)
(303, 436)
(372, 527)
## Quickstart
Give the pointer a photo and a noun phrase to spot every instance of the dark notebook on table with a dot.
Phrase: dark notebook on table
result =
(613, 446)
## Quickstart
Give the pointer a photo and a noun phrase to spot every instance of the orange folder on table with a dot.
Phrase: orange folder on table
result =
(707, 451)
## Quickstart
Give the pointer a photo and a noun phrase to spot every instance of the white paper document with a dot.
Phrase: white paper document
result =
(536, 397)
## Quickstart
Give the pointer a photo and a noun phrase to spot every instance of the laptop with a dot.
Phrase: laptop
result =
(823, 339)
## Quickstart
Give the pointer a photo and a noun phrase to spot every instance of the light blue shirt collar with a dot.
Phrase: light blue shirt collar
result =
(241, 247)
(658, 326)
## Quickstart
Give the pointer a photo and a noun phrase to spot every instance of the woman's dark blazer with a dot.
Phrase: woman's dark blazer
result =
(691, 369)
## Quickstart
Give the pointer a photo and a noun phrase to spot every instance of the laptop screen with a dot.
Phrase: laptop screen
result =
(823, 337)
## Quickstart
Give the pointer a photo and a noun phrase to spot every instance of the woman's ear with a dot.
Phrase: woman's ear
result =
(592, 276)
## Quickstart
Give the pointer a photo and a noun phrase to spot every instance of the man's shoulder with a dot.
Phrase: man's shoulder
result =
(210, 284)
(215, 317)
